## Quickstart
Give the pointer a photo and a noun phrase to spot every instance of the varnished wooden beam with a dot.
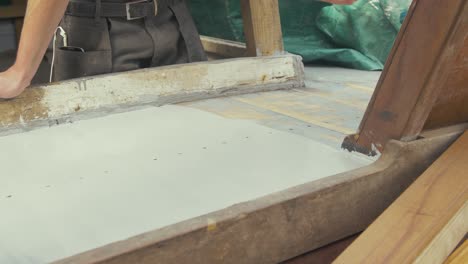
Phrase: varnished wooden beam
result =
(97, 95)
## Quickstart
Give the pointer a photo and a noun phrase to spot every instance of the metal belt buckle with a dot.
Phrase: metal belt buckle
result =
(128, 7)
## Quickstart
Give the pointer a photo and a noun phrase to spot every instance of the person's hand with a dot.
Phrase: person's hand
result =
(12, 83)
(340, 2)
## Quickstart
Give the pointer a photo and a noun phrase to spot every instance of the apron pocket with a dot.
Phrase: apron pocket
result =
(73, 63)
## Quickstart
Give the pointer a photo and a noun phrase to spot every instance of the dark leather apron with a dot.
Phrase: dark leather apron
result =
(113, 41)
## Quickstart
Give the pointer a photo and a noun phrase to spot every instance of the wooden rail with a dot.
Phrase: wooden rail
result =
(426, 222)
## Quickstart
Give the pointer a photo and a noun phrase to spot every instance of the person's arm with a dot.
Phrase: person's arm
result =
(41, 20)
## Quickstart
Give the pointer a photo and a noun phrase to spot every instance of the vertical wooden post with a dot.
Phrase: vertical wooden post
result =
(262, 27)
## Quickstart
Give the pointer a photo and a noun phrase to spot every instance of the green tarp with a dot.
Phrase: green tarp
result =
(357, 36)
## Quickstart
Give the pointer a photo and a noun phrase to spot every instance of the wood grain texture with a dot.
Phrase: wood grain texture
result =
(99, 95)
(452, 105)
(426, 222)
(460, 256)
(282, 225)
(418, 67)
(262, 27)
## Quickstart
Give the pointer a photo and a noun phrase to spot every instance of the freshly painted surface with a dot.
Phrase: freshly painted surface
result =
(74, 187)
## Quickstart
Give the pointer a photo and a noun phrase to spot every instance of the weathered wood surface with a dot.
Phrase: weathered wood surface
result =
(452, 105)
(262, 27)
(98, 95)
(285, 224)
(415, 75)
(224, 48)
(426, 222)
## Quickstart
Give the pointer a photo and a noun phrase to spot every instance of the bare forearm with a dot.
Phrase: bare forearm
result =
(42, 17)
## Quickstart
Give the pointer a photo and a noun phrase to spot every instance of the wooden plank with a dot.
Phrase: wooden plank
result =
(451, 106)
(97, 95)
(224, 48)
(262, 27)
(285, 224)
(419, 65)
(460, 256)
(426, 222)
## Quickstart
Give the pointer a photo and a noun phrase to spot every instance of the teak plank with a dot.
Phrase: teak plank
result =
(416, 73)
(426, 222)
(460, 256)
(262, 27)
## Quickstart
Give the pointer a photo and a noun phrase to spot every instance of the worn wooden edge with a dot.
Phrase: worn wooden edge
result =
(400, 113)
(448, 238)
(435, 85)
(350, 140)
(100, 95)
(285, 224)
(349, 143)
(460, 255)
(390, 60)
(426, 222)
(224, 48)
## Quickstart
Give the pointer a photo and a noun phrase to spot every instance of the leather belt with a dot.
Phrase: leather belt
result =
(130, 10)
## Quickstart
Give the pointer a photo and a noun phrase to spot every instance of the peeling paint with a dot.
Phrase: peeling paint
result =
(157, 86)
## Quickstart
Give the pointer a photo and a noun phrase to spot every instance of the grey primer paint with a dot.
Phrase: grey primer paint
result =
(75, 187)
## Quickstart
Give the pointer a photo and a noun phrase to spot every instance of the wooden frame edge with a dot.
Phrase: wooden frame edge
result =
(294, 221)
(84, 98)
(425, 223)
